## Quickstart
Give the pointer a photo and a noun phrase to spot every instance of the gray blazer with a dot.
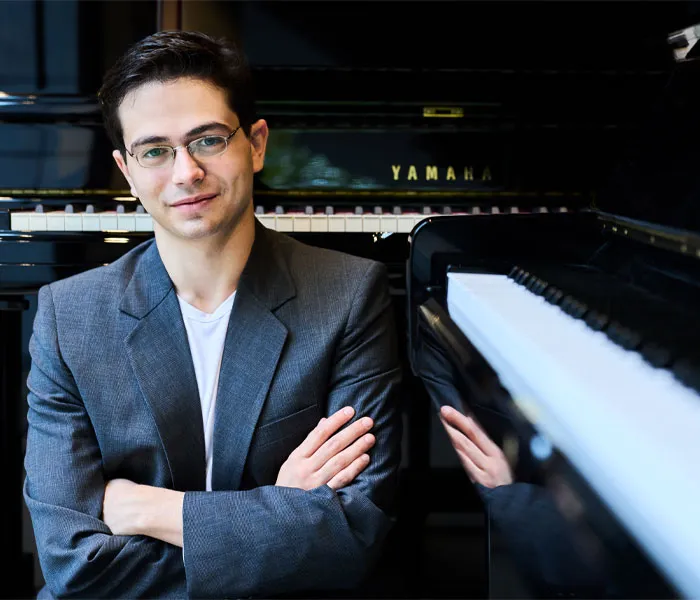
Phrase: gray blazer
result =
(112, 393)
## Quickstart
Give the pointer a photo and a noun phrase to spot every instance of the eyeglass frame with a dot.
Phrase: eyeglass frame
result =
(175, 148)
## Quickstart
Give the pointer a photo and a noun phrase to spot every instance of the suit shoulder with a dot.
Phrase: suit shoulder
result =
(323, 262)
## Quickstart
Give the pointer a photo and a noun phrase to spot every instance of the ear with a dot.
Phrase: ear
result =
(123, 167)
(258, 142)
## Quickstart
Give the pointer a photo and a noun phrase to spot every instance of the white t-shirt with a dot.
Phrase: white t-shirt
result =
(206, 334)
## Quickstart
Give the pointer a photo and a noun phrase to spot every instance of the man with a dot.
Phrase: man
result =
(174, 444)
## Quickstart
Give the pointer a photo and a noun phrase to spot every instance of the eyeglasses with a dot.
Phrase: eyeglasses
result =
(163, 156)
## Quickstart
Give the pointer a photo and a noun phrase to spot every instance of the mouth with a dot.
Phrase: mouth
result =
(192, 201)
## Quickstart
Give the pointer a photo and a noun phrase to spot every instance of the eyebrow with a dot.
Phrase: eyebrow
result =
(159, 139)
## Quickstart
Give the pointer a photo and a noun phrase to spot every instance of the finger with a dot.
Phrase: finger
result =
(340, 441)
(474, 472)
(325, 428)
(349, 473)
(482, 439)
(469, 427)
(462, 443)
(341, 460)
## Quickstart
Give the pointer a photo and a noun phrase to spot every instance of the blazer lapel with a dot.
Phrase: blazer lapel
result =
(160, 357)
(254, 343)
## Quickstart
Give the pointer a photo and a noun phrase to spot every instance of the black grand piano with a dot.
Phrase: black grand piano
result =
(572, 340)
(385, 119)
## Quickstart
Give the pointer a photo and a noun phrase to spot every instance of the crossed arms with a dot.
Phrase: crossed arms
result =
(326, 457)
(264, 541)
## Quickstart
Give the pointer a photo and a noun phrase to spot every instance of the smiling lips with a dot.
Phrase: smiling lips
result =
(193, 200)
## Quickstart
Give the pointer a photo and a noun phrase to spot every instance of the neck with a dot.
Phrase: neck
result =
(206, 272)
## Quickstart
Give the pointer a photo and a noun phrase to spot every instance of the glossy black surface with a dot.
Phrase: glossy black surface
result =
(359, 97)
(642, 294)
(470, 103)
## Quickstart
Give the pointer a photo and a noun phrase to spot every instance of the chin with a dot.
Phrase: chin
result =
(196, 233)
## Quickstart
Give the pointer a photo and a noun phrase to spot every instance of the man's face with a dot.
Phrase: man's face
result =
(189, 197)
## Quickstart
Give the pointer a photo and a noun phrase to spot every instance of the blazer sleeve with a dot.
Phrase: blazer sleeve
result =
(273, 540)
(64, 488)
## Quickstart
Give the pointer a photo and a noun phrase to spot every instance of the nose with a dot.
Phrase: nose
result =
(186, 170)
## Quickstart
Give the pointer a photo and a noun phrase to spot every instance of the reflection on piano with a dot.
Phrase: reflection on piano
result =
(572, 339)
(587, 362)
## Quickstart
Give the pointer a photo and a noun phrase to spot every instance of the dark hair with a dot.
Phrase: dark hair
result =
(169, 55)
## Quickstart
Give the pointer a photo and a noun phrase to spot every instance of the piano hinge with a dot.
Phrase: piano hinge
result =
(449, 112)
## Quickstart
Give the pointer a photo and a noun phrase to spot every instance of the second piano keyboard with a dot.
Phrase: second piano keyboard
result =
(308, 220)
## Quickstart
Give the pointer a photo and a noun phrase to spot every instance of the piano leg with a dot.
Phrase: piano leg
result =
(17, 565)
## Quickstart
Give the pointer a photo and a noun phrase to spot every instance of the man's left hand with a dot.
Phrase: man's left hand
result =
(132, 509)
(120, 508)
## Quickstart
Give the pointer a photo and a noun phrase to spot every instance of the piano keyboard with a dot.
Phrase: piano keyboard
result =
(631, 429)
(308, 220)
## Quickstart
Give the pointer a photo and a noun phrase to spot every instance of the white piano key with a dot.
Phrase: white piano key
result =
(55, 221)
(302, 223)
(126, 221)
(73, 222)
(284, 223)
(37, 222)
(91, 221)
(108, 221)
(353, 223)
(418, 218)
(405, 223)
(336, 223)
(370, 224)
(268, 220)
(388, 223)
(319, 223)
(629, 428)
(143, 222)
(19, 221)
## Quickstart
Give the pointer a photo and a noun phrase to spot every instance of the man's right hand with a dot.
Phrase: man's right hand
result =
(325, 458)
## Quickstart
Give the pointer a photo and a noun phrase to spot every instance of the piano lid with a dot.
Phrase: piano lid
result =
(470, 104)
(54, 55)
(658, 180)
(454, 98)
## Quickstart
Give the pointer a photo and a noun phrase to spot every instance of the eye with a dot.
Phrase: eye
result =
(153, 153)
(209, 142)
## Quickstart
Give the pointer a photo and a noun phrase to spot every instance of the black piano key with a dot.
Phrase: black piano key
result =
(579, 310)
(630, 316)
(554, 295)
(566, 303)
(530, 281)
(624, 336)
(539, 287)
(521, 276)
(655, 355)
(687, 371)
(596, 320)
